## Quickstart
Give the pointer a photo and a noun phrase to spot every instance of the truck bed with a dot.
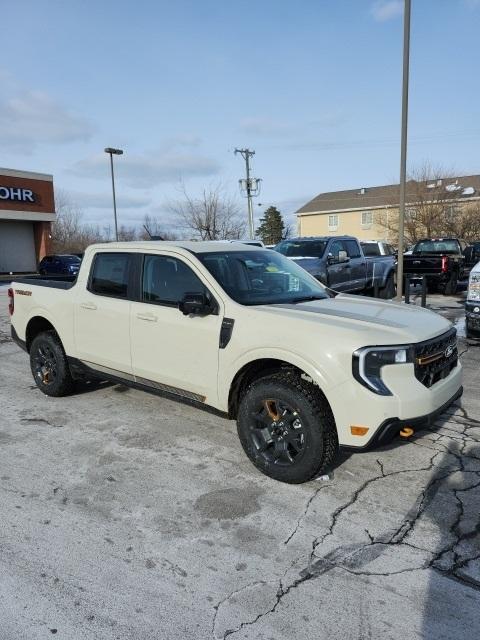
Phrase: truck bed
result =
(53, 282)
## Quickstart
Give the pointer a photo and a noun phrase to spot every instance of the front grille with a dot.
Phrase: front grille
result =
(435, 358)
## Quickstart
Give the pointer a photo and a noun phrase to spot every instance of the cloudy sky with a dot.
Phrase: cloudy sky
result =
(312, 86)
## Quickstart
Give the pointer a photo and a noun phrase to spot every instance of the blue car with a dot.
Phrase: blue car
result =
(59, 265)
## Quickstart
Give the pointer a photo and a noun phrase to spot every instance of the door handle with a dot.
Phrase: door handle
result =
(149, 317)
(88, 305)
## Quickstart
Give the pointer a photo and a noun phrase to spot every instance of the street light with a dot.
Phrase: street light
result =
(112, 152)
(403, 151)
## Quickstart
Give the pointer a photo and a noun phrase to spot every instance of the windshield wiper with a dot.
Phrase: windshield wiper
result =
(307, 299)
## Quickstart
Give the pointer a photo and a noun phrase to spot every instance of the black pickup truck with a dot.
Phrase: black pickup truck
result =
(441, 260)
(339, 263)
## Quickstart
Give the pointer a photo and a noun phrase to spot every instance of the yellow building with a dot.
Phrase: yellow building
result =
(365, 212)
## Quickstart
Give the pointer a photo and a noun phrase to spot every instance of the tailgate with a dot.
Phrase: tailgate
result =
(422, 264)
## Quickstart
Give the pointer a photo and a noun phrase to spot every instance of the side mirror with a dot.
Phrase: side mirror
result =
(343, 256)
(195, 304)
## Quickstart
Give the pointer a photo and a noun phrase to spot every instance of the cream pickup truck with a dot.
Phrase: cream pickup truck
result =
(247, 332)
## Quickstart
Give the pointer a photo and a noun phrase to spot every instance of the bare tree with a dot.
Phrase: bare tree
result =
(69, 234)
(152, 227)
(211, 216)
(433, 206)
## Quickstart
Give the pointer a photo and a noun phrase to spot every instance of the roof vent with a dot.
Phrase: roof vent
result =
(362, 191)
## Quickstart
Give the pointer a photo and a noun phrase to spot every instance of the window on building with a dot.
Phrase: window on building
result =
(333, 222)
(367, 218)
(110, 274)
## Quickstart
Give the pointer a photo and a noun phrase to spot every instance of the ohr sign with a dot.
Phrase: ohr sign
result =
(16, 194)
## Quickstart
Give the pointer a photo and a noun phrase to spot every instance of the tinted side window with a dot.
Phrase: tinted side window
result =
(335, 247)
(109, 275)
(166, 280)
(353, 250)
(371, 249)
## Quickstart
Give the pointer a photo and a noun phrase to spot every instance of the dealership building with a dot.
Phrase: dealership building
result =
(27, 209)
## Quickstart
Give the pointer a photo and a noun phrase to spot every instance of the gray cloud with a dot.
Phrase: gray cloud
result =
(385, 10)
(32, 118)
(104, 200)
(148, 170)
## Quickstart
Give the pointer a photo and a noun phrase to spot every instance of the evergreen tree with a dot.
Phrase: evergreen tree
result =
(271, 229)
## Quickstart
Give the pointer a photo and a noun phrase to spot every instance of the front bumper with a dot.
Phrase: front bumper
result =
(411, 402)
(392, 426)
(473, 320)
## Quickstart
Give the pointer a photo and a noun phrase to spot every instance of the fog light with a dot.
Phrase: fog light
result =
(407, 432)
(358, 431)
(476, 309)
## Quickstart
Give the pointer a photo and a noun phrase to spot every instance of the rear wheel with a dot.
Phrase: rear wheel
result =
(49, 365)
(451, 285)
(388, 291)
(286, 428)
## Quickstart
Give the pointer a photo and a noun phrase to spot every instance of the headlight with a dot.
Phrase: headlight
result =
(368, 362)
(474, 287)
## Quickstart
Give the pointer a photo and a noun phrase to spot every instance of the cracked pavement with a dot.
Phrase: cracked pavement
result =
(129, 516)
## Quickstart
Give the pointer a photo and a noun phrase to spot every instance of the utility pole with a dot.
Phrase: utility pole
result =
(250, 187)
(403, 153)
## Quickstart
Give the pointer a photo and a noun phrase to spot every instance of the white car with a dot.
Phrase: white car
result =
(248, 332)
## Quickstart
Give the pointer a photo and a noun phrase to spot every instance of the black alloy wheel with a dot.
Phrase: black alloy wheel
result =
(44, 364)
(277, 432)
(286, 427)
(49, 365)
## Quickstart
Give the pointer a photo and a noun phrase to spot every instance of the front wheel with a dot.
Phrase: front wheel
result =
(286, 428)
(49, 365)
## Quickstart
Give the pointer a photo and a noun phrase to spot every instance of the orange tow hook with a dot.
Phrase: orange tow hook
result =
(407, 432)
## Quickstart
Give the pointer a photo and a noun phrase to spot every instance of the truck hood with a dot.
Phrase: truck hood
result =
(377, 322)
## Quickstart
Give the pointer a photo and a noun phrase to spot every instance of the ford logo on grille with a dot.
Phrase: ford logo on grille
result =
(449, 350)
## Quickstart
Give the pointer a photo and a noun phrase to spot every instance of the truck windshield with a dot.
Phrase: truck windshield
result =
(302, 248)
(262, 277)
(437, 246)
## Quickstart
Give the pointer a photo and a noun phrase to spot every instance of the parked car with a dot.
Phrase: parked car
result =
(377, 248)
(472, 305)
(59, 265)
(441, 260)
(249, 333)
(339, 263)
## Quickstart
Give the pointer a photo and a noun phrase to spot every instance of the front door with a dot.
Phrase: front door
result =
(102, 315)
(338, 272)
(172, 351)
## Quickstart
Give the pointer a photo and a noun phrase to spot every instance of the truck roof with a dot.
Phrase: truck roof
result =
(190, 245)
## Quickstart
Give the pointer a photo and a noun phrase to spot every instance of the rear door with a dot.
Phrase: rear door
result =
(102, 314)
(171, 351)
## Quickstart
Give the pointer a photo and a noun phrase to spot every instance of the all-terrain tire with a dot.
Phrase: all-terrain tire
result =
(388, 291)
(451, 286)
(316, 437)
(49, 365)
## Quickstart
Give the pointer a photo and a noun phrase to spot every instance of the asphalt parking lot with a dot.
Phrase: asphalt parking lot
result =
(128, 516)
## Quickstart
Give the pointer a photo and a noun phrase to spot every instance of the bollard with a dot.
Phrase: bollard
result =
(407, 289)
(424, 291)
